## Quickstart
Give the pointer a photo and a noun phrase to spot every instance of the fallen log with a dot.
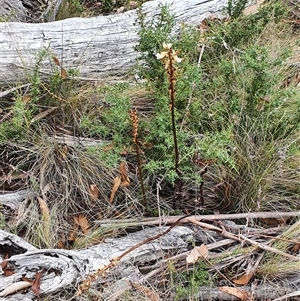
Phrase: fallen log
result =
(13, 11)
(95, 47)
(64, 269)
(13, 199)
(134, 260)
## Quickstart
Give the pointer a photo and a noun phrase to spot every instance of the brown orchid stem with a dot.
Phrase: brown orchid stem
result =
(171, 77)
(172, 92)
(169, 58)
(135, 125)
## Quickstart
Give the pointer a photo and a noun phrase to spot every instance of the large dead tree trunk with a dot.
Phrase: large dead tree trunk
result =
(67, 268)
(63, 270)
(96, 47)
(13, 11)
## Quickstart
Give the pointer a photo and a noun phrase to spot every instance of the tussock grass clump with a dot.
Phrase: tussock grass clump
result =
(250, 92)
(68, 183)
(275, 266)
(261, 182)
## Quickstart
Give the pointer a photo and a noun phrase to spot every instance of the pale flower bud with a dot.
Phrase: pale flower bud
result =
(177, 59)
(167, 46)
(161, 55)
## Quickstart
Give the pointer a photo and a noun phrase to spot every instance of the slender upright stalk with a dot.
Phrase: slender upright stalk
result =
(135, 124)
(169, 58)
(172, 81)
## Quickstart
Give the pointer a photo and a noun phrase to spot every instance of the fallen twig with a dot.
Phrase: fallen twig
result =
(212, 217)
(285, 297)
(241, 237)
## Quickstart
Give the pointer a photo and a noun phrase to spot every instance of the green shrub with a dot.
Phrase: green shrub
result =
(188, 282)
(230, 106)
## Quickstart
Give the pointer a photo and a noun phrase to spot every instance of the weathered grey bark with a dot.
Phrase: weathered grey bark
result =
(13, 11)
(13, 199)
(66, 268)
(260, 292)
(96, 47)
(52, 10)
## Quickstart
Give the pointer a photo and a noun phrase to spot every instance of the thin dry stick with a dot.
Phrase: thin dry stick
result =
(290, 295)
(209, 217)
(240, 238)
(268, 248)
(250, 215)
